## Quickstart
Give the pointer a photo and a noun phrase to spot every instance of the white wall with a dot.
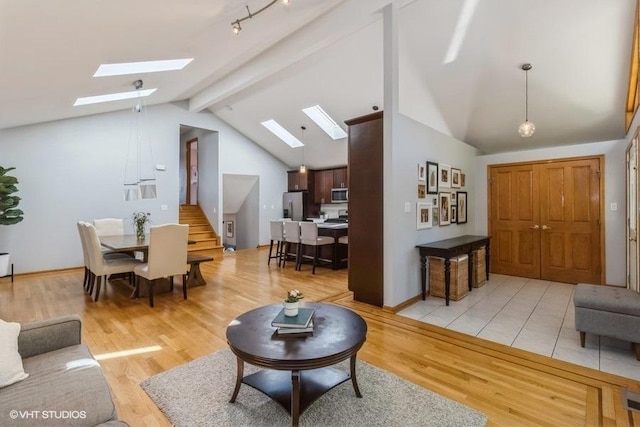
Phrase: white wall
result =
(414, 142)
(614, 192)
(247, 229)
(73, 169)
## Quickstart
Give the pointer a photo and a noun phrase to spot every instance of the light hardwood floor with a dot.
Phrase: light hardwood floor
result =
(511, 386)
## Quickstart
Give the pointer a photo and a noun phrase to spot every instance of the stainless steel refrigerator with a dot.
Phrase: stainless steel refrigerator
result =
(294, 205)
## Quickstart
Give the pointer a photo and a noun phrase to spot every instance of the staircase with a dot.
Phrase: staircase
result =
(200, 230)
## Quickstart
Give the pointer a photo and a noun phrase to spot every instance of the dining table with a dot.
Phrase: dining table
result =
(131, 243)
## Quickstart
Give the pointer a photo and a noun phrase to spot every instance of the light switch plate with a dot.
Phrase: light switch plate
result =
(164, 207)
(614, 206)
(407, 207)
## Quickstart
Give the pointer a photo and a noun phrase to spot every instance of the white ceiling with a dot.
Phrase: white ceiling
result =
(329, 52)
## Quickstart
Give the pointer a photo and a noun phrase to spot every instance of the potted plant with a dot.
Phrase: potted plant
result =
(291, 303)
(140, 219)
(9, 212)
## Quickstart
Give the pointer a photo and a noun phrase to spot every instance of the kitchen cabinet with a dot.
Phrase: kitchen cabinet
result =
(340, 178)
(323, 185)
(298, 181)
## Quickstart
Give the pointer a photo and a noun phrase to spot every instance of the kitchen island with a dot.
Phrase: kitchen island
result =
(339, 254)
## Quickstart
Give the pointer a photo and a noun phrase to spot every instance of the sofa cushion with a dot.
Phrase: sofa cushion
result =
(11, 369)
(607, 298)
(67, 386)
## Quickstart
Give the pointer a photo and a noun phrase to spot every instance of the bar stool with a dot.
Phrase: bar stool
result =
(291, 235)
(344, 240)
(277, 235)
(309, 236)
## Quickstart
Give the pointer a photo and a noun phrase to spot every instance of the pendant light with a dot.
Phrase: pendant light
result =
(527, 128)
(139, 176)
(303, 168)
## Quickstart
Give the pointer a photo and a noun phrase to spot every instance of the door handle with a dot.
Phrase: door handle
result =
(545, 227)
(535, 227)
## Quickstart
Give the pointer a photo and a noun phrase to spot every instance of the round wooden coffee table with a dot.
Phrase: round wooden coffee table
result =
(293, 378)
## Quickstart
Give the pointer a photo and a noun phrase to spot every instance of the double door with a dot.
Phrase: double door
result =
(545, 220)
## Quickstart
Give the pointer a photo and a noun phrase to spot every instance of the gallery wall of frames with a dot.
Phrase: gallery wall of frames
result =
(441, 198)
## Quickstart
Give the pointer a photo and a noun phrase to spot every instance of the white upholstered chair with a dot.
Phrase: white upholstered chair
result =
(109, 226)
(291, 235)
(277, 235)
(309, 237)
(167, 256)
(102, 265)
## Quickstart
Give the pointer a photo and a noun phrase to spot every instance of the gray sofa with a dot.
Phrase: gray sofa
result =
(65, 387)
(609, 311)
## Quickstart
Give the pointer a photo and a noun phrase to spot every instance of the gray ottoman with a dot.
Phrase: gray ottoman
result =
(608, 311)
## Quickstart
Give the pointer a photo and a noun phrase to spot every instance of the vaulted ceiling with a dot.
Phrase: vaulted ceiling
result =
(329, 53)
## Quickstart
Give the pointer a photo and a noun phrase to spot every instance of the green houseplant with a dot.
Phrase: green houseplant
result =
(9, 212)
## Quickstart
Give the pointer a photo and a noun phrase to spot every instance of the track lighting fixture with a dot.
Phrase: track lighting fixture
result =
(235, 25)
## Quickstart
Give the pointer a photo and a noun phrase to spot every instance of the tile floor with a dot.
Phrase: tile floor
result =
(532, 315)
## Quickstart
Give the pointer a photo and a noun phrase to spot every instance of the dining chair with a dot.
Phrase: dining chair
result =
(103, 265)
(85, 256)
(277, 235)
(309, 237)
(109, 226)
(291, 235)
(167, 256)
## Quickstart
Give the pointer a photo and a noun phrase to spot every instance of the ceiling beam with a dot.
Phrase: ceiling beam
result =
(340, 22)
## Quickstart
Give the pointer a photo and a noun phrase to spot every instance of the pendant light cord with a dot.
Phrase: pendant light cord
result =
(526, 96)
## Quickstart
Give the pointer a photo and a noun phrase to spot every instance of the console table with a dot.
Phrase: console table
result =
(450, 248)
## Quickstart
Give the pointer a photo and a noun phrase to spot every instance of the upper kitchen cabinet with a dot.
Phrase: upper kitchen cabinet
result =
(298, 181)
(340, 178)
(323, 185)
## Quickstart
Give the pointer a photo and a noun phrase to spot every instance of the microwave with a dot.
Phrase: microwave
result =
(339, 195)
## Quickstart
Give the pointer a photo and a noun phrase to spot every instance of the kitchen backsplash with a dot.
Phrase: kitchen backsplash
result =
(334, 209)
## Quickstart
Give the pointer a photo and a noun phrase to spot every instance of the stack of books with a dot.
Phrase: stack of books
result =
(300, 324)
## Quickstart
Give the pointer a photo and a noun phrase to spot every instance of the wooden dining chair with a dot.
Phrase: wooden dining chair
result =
(167, 256)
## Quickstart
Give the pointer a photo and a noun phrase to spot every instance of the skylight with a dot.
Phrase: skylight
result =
(112, 97)
(282, 133)
(322, 119)
(141, 67)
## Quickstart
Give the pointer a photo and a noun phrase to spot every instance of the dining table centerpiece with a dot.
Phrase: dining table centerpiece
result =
(291, 304)
(140, 220)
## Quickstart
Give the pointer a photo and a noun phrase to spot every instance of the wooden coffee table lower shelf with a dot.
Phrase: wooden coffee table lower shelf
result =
(297, 368)
(279, 385)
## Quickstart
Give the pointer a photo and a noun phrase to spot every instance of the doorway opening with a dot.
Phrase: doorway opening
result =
(191, 168)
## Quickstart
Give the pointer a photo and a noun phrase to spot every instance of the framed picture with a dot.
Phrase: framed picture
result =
(229, 229)
(444, 174)
(436, 215)
(462, 207)
(422, 191)
(454, 216)
(445, 208)
(453, 198)
(432, 175)
(422, 172)
(455, 178)
(462, 179)
(423, 215)
(434, 201)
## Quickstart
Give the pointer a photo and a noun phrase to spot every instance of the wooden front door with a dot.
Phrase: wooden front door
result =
(545, 220)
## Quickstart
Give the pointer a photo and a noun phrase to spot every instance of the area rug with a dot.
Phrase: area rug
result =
(197, 394)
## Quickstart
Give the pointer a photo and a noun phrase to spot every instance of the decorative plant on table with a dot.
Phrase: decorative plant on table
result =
(291, 303)
(140, 219)
(9, 212)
